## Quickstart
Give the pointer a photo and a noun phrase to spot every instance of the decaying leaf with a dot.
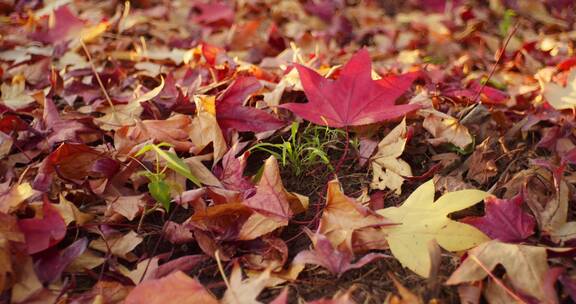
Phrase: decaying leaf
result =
(174, 288)
(525, 266)
(388, 170)
(343, 216)
(335, 260)
(421, 219)
(445, 129)
(245, 291)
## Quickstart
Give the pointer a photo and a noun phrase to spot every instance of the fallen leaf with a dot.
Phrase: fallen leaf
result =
(70, 212)
(120, 245)
(205, 129)
(43, 231)
(245, 291)
(174, 288)
(270, 198)
(504, 220)
(14, 197)
(126, 114)
(421, 219)
(49, 267)
(232, 114)
(388, 170)
(173, 131)
(445, 129)
(562, 97)
(354, 99)
(334, 260)
(525, 266)
(14, 95)
(482, 163)
(343, 216)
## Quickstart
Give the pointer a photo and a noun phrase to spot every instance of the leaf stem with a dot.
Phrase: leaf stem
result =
(100, 83)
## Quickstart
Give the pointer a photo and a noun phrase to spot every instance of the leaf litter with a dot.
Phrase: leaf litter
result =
(287, 151)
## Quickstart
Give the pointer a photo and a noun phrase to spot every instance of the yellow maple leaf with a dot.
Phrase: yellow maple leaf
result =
(421, 220)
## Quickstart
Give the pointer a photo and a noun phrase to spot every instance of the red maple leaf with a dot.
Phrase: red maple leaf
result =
(354, 99)
(504, 220)
(232, 114)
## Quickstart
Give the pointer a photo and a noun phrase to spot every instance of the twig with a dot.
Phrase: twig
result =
(500, 54)
(100, 83)
(496, 280)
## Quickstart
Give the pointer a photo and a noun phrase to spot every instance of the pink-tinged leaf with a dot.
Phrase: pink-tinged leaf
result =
(570, 156)
(282, 298)
(214, 13)
(504, 220)
(61, 130)
(184, 263)
(175, 288)
(270, 198)
(66, 23)
(231, 174)
(569, 284)
(232, 114)
(334, 260)
(177, 233)
(354, 99)
(49, 267)
(490, 95)
(43, 233)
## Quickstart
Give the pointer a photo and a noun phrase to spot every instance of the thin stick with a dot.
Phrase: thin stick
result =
(223, 274)
(500, 54)
(97, 76)
(496, 280)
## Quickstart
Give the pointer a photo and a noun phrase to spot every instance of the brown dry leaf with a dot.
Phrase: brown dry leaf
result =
(14, 96)
(173, 130)
(343, 216)
(551, 211)
(445, 129)
(538, 11)
(258, 225)
(120, 245)
(388, 170)
(525, 266)
(482, 165)
(128, 114)
(245, 291)
(70, 212)
(204, 175)
(27, 283)
(5, 263)
(5, 144)
(11, 200)
(89, 259)
(9, 232)
(405, 295)
(174, 288)
(128, 206)
(205, 128)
